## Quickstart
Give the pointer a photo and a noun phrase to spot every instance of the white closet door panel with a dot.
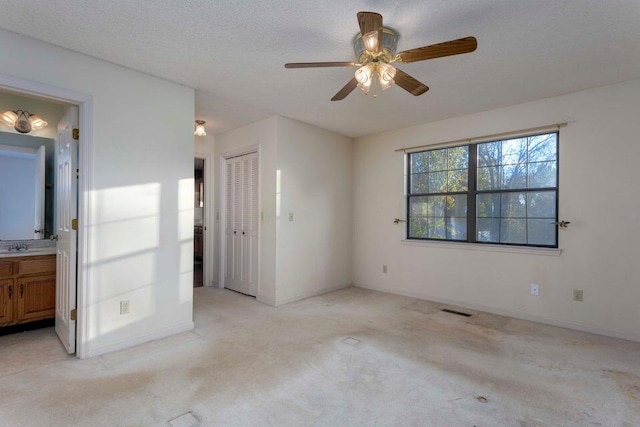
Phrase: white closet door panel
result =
(252, 213)
(241, 223)
(237, 224)
(229, 218)
(244, 250)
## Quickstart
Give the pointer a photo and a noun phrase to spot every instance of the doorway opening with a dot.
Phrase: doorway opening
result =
(198, 223)
(40, 281)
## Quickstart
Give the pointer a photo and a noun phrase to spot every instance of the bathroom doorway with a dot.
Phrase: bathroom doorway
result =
(198, 222)
(39, 283)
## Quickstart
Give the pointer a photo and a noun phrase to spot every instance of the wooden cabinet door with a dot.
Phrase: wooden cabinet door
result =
(7, 295)
(36, 297)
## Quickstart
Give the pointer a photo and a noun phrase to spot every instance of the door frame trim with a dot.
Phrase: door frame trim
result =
(84, 102)
(223, 210)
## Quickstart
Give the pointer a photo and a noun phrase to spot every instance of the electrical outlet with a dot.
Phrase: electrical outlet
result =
(125, 307)
(290, 216)
(535, 289)
(577, 295)
(384, 268)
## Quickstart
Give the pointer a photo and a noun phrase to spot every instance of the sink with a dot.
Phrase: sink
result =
(4, 253)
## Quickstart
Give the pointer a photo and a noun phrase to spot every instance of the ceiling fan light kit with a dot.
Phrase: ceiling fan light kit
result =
(375, 50)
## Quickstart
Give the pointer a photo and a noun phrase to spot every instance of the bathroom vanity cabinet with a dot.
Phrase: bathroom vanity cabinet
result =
(27, 289)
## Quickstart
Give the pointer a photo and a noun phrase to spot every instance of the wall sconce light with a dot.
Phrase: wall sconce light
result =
(22, 121)
(200, 128)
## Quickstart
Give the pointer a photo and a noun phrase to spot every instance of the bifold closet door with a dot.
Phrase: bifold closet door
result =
(241, 224)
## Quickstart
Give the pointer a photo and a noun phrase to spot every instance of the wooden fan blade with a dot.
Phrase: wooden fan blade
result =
(408, 83)
(319, 64)
(369, 22)
(453, 47)
(346, 90)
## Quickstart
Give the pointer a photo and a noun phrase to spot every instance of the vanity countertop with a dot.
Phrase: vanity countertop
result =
(30, 252)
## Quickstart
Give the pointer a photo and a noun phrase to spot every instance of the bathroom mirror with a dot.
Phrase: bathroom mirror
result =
(27, 176)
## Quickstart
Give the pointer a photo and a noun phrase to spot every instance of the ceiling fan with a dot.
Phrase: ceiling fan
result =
(375, 48)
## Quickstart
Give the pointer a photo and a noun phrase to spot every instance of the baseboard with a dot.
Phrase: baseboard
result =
(266, 300)
(311, 294)
(123, 344)
(511, 313)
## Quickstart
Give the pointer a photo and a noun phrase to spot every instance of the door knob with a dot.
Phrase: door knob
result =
(243, 233)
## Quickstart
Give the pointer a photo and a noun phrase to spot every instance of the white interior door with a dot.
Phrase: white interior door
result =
(250, 222)
(241, 224)
(66, 211)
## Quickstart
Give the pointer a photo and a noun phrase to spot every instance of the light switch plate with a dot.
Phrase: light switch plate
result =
(125, 307)
(290, 216)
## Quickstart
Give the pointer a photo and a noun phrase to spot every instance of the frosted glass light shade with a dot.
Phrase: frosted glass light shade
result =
(386, 73)
(37, 122)
(364, 76)
(9, 118)
(200, 131)
(371, 41)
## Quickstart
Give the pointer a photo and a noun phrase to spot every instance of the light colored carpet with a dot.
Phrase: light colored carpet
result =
(351, 357)
(23, 351)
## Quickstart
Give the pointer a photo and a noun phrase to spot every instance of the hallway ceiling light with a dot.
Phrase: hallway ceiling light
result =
(200, 128)
(22, 121)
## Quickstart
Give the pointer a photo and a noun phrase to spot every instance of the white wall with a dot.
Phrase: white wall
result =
(261, 136)
(141, 226)
(598, 185)
(204, 144)
(314, 250)
(312, 254)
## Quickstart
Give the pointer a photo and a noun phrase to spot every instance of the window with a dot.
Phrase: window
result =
(500, 192)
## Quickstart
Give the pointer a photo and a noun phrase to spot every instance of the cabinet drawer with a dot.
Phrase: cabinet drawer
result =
(6, 268)
(38, 265)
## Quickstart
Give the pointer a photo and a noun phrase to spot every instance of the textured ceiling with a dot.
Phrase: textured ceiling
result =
(233, 52)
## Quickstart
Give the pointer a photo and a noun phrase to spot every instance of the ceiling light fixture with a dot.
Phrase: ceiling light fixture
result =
(22, 121)
(375, 75)
(375, 49)
(200, 128)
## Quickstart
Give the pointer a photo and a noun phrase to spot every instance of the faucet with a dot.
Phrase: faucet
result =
(20, 246)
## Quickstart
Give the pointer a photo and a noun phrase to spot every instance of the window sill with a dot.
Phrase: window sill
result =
(483, 247)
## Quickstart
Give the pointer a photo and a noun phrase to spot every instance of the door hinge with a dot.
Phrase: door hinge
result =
(73, 315)
(75, 134)
(74, 224)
